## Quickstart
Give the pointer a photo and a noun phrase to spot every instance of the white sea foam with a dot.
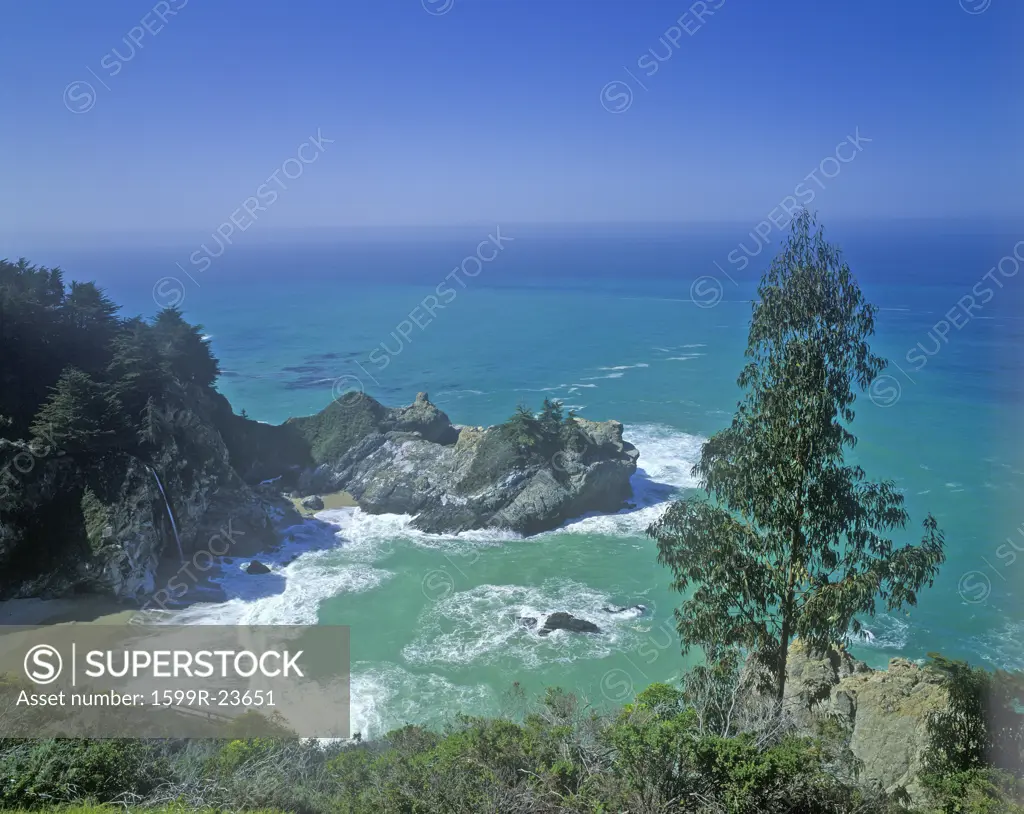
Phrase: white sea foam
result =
(289, 595)
(883, 632)
(685, 358)
(609, 376)
(666, 454)
(372, 537)
(625, 367)
(539, 389)
(387, 696)
(1002, 647)
(481, 626)
(346, 550)
(667, 457)
(461, 393)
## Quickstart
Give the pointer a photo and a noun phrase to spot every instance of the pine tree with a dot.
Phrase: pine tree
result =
(188, 354)
(550, 420)
(80, 415)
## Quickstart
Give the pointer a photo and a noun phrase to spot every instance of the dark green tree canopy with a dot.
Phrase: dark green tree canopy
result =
(188, 354)
(794, 540)
(71, 367)
(80, 416)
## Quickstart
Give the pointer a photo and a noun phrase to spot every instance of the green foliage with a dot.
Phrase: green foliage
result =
(794, 541)
(975, 760)
(81, 415)
(140, 373)
(187, 354)
(334, 430)
(523, 429)
(77, 381)
(58, 770)
(545, 434)
(238, 752)
(258, 728)
(650, 756)
(46, 327)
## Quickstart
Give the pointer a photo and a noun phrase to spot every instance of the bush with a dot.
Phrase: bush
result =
(61, 770)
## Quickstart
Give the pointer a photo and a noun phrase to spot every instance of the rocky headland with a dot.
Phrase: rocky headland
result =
(217, 484)
(413, 460)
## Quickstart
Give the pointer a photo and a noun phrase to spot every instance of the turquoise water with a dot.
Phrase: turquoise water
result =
(606, 323)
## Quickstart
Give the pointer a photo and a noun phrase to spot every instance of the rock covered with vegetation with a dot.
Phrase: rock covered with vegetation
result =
(114, 444)
(528, 475)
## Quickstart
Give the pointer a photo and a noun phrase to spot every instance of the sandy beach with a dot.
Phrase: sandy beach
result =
(79, 610)
(332, 500)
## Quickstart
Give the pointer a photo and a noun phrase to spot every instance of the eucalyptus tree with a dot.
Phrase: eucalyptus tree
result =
(789, 539)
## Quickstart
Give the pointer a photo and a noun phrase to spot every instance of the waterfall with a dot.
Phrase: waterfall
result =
(170, 514)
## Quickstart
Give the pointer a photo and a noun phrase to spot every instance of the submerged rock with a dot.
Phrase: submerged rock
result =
(256, 567)
(632, 610)
(566, 621)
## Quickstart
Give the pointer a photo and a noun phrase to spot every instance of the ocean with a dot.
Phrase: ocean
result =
(646, 325)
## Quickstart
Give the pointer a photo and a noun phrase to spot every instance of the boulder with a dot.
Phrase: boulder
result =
(256, 567)
(882, 713)
(566, 621)
(314, 503)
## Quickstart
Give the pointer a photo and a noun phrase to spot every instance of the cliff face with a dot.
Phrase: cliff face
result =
(412, 460)
(883, 714)
(100, 523)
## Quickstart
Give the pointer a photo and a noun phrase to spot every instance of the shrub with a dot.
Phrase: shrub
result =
(60, 770)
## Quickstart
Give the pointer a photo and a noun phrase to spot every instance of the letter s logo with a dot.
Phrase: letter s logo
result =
(43, 664)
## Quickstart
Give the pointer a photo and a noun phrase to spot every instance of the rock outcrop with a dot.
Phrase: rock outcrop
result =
(101, 523)
(882, 713)
(412, 460)
(566, 621)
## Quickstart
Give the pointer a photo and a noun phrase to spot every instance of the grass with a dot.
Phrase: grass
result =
(110, 809)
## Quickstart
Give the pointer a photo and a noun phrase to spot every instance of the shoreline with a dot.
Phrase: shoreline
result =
(108, 610)
(87, 609)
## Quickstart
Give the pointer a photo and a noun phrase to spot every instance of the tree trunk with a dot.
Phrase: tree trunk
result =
(795, 562)
(784, 636)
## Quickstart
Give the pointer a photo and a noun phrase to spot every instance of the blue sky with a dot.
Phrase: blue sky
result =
(492, 111)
